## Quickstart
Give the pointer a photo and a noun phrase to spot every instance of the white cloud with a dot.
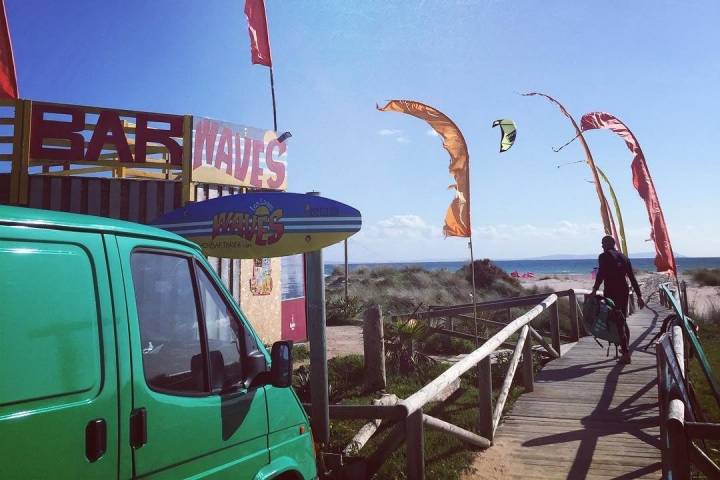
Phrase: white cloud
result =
(410, 237)
(402, 226)
(403, 139)
(562, 230)
(432, 133)
(387, 132)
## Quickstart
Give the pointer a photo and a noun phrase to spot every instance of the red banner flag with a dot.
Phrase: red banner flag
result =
(642, 181)
(8, 81)
(257, 28)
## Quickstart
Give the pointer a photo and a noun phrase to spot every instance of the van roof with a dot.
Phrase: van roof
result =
(72, 221)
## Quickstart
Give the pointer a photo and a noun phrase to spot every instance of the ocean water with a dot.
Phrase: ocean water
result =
(541, 267)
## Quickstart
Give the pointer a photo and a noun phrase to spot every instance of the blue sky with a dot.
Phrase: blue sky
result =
(651, 63)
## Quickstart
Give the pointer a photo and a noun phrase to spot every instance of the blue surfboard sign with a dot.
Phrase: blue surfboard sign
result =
(263, 224)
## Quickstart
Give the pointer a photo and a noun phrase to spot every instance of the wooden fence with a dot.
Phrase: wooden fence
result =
(407, 415)
(683, 426)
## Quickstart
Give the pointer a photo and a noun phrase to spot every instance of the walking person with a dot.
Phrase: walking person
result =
(614, 267)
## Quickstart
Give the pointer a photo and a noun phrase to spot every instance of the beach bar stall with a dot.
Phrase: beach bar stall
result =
(136, 166)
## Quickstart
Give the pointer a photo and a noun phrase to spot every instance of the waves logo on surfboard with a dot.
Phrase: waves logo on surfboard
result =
(263, 226)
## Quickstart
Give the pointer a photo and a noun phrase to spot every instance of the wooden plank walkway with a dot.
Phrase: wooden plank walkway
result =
(588, 417)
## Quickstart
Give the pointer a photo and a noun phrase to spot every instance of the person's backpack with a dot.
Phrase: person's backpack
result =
(597, 315)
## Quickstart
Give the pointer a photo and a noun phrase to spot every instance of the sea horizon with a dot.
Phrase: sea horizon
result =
(582, 266)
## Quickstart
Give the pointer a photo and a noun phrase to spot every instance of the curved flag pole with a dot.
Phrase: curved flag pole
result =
(605, 212)
(618, 213)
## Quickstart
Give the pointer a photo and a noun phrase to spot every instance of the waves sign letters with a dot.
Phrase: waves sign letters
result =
(231, 154)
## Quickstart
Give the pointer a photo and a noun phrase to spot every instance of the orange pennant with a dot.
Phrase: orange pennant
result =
(457, 218)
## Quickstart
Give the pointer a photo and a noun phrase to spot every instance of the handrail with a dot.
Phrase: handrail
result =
(689, 332)
(678, 426)
(418, 399)
(409, 411)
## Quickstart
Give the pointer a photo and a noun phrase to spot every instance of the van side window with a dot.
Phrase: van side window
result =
(168, 318)
(224, 334)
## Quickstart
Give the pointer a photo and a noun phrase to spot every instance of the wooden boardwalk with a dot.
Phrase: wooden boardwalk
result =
(588, 417)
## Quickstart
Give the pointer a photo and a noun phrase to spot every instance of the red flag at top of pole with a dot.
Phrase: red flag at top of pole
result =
(257, 27)
(8, 81)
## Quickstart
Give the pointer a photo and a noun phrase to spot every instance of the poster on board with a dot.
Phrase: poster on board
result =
(293, 298)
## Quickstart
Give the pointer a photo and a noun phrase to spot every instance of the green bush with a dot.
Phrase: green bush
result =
(487, 274)
(345, 375)
(300, 352)
(706, 277)
(439, 344)
(339, 311)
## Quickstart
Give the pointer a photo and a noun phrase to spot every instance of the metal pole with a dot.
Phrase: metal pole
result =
(346, 270)
(315, 285)
(272, 90)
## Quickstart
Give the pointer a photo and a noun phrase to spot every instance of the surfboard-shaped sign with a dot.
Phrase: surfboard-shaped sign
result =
(263, 224)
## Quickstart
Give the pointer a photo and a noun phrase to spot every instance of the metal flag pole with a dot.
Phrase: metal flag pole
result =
(472, 270)
(272, 91)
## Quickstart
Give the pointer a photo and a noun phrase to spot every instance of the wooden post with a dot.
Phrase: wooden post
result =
(21, 158)
(662, 410)
(684, 297)
(188, 192)
(680, 464)
(374, 349)
(485, 406)
(507, 383)
(574, 326)
(315, 298)
(17, 151)
(555, 326)
(461, 433)
(415, 446)
(528, 372)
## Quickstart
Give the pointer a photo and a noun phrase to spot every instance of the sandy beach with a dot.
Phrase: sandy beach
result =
(701, 298)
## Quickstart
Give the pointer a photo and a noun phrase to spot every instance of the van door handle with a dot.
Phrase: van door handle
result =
(95, 439)
(138, 427)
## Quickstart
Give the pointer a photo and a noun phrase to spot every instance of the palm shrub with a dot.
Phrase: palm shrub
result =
(402, 348)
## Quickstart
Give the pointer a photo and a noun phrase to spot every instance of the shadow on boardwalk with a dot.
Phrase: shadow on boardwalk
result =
(589, 416)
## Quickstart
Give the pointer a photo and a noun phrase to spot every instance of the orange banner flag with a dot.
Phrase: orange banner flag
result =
(457, 218)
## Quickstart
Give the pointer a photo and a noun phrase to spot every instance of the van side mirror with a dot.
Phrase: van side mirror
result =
(282, 364)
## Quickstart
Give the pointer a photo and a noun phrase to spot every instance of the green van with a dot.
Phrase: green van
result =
(122, 355)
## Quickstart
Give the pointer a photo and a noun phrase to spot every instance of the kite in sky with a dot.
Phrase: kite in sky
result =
(507, 133)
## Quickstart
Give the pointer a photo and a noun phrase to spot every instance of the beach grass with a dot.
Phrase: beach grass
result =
(708, 322)
(705, 277)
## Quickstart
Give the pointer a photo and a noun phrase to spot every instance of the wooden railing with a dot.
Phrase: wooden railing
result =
(683, 428)
(408, 415)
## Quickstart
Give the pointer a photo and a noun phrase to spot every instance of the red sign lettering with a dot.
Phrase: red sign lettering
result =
(42, 129)
(108, 131)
